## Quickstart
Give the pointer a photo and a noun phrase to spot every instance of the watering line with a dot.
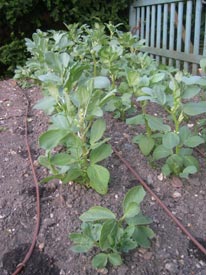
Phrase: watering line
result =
(21, 265)
(169, 213)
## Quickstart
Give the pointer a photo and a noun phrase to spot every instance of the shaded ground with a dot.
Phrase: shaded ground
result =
(171, 251)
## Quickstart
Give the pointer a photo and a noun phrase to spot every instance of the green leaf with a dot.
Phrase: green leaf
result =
(108, 234)
(100, 260)
(97, 130)
(128, 244)
(62, 159)
(72, 174)
(136, 120)
(146, 145)
(133, 78)
(46, 104)
(142, 235)
(191, 161)
(52, 138)
(194, 108)
(115, 259)
(134, 195)
(101, 82)
(132, 210)
(184, 133)
(191, 91)
(188, 170)
(175, 163)
(82, 243)
(157, 77)
(193, 141)
(161, 152)
(166, 170)
(60, 121)
(99, 178)
(139, 220)
(100, 153)
(97, 213)
(156, 124)
(170, 140)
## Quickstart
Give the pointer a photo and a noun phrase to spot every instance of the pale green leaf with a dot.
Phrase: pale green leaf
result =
(97, 130)
(134, 195)
(100, 260)
(115, 259)
(52, 138)
(101, 82)
(97, 213)
(194, 108)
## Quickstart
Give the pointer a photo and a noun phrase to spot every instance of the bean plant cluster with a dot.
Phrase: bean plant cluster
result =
(85, 72)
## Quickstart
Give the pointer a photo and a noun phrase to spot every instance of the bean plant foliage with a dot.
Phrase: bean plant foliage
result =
(85, 72)
(112, 236)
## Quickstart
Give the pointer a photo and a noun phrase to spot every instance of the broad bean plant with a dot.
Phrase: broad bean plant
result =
(111, 235)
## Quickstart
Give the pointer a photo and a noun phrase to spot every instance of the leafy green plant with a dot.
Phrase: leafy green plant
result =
(100, 228)
(172, 93)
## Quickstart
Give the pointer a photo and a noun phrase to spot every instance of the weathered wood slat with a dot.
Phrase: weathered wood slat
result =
(188, 30)
(191, 58)
(172, 31)
(179, 30)
(141, 3)
(164, 40)
(198, 12)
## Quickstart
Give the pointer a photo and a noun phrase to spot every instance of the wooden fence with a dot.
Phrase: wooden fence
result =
(174, 30)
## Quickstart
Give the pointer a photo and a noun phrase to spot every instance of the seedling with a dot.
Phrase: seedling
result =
(112, 236)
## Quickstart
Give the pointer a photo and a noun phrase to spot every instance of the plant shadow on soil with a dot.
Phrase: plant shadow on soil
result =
(39, 263)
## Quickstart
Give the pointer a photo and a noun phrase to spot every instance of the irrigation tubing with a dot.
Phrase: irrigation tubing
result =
(21, 265)
(169, 213)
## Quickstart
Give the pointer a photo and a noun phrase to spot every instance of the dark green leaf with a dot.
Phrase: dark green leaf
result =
(187, 171)
(156, 124)
(161, 152)
(184, 133)
(72, 174)
(170, 140)
(191, 91)
(142, 235)
(132, 210)
(193, 141)
(108, 234)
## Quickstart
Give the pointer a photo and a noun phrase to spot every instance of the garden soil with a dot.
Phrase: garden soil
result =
(170, 253)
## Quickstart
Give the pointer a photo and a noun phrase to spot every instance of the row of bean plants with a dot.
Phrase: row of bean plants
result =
(85, 72)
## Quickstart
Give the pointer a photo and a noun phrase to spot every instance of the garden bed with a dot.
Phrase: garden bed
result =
(171, 252)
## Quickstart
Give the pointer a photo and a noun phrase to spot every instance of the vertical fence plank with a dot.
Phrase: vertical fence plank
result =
(132, 16)
(159, 25)
(153, 19)
(147, 25)
(164, 39)
(138, 22)
(204, 45)
(188, 31)
(198, 12)
(179, 30)
(142, 22)
(172, 31)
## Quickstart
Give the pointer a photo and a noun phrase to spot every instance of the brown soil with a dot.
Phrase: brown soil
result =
(61, 205)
